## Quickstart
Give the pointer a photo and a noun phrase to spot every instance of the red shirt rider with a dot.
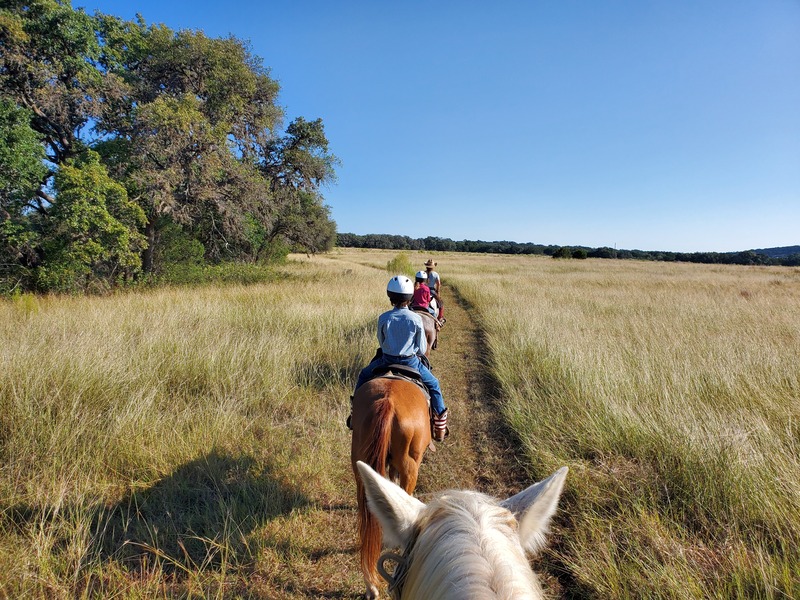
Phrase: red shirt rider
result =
(422, 295)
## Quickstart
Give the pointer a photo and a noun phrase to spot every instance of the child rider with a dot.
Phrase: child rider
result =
(401, 335)
(422, 294)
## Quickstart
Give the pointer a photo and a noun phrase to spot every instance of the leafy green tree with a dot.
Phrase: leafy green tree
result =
(184, 123)
(93, 237)
(603, 252)
(188, 124)
(793, 260)
(196, 120)
(48, 65)
(21, 174)
(21, 156)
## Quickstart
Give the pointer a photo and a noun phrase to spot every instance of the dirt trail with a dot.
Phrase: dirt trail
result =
(477, 455)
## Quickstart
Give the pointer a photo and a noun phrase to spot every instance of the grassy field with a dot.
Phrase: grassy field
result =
(673, 393)
(189, 442)
(168, 443)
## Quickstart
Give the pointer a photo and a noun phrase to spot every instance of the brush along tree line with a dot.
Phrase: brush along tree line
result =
(124, 145)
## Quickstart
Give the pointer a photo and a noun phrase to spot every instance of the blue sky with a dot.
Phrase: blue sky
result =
(657, 125)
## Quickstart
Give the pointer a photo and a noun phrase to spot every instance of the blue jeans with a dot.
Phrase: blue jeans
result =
(437, 401)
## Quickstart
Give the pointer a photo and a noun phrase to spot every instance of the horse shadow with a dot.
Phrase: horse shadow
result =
(200, 514)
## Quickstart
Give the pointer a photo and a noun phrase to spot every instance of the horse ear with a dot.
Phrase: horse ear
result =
(534, 507)
(392, 506)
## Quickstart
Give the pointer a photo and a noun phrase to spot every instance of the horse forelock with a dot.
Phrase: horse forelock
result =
(466, 546)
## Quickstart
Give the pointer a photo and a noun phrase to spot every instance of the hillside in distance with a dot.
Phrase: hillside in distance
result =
(781, 252)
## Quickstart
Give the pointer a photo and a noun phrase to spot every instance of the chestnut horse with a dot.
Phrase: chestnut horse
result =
(462, 544)
(391, 430)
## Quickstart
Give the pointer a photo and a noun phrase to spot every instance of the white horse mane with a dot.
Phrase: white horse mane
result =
(464, 544)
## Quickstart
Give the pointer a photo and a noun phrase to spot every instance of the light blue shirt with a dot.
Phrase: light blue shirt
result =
(401, 333)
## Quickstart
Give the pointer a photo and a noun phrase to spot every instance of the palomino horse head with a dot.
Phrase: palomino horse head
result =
(391, 431)
(463, 544)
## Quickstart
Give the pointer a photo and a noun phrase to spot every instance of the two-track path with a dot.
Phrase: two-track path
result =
(478, 454)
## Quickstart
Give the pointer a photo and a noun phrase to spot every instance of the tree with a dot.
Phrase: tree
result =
(21, 173)
(297, 165)
(189, 125)
(184, 123)
(93, 237)
(48, 54)
(603, 252)
(196, 121)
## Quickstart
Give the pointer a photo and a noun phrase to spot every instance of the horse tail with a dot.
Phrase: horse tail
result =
(376, 453)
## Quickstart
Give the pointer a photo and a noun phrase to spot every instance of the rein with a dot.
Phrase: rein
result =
(398, 578)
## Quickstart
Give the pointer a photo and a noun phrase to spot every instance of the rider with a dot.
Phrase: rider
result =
(434, 283)
(422, 294)
(401, 335)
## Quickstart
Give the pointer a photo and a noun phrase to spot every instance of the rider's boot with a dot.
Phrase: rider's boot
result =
(439, 429)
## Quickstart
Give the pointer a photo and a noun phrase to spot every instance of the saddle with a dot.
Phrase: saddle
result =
(401, 372)
(424, 312)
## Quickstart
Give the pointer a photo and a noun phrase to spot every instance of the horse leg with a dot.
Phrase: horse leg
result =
(407, 457)
(392, 473)
(409, 475)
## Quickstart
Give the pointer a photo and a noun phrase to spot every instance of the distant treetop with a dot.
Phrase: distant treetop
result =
(790, 256)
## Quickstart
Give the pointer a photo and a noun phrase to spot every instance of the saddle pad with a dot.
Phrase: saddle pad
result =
(402, 372)
(408, 372)
(423, 312)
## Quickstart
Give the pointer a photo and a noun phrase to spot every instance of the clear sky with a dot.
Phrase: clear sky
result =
(649, 124)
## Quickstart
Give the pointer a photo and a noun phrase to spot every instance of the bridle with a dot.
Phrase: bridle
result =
(398, 577)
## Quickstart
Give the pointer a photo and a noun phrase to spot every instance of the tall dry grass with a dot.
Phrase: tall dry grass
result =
(190, 443)
(149, 440)
(673, 392)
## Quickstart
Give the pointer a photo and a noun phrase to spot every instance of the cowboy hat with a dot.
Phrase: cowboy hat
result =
(430, 263)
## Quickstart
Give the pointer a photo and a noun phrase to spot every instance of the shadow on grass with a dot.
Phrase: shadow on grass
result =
(198, 517)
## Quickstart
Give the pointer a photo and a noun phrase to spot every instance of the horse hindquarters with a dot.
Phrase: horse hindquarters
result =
(429, 324)
(390, 417)
(371, 421)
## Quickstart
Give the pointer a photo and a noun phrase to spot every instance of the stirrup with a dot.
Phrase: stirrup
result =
(439, 429)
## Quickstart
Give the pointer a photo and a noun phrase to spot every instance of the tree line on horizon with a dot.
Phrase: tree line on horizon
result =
(126, 147)
(432, 243)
